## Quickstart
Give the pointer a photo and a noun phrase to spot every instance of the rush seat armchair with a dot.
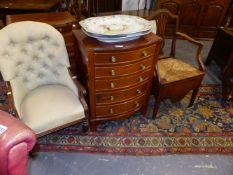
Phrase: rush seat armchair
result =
(174, 77)
(35, 66)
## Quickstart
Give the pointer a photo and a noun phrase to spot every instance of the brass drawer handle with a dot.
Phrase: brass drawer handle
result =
(143, 67)
(113, 59)
(112, 85)
(139, 91)
(144, 54)
(137, 104)
(140, 79)
(111, 111)
(113, 72)
(111, 98)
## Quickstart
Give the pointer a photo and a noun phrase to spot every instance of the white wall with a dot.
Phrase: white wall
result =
(135, 4)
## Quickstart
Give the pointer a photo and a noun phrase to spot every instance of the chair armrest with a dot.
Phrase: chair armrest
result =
(82, 95)
(16, 140)
(11, 105)
(190, 39)
(79, 85)
(81, 88)
(199, 49)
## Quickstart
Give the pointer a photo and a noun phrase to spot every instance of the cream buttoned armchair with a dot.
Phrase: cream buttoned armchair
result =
(34, 63)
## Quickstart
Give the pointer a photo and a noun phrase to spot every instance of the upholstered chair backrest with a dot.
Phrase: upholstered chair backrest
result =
(33, 54)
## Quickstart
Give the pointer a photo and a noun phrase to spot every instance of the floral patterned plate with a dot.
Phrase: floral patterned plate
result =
(119, 38)
(115, 25)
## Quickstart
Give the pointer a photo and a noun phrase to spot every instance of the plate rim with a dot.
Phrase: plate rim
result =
(148, 26)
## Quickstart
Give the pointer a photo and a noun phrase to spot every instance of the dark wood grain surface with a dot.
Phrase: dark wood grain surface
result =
(28, 4)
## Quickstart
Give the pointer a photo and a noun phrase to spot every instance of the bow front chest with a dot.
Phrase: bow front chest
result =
(118, 76)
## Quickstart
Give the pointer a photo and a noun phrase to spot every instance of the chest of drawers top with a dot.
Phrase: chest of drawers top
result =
(93, 45)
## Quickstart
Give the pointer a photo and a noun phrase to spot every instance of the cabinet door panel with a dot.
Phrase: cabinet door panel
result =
(214, 12)
(173, 6)
(190, 12)
(106, 5)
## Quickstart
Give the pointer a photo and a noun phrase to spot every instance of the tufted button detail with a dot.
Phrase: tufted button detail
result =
(30, 69)
(46, 37)
(5, 53)
(18, 63)
(59, 65)
(45, 65)
(24, 50)
(35, 57)
(25, 80)
(40, 75)
(41, 48)
(55, 72)
(30, 39)
(16, 75)
(55, 44)
(51, 56)
(12, 42)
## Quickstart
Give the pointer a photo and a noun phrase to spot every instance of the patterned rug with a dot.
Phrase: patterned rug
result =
(205, 128)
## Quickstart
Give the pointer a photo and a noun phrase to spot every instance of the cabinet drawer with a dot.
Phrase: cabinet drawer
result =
(123, 57)
(128, 69)
(123, 82)
(121, 95)
(110, 110)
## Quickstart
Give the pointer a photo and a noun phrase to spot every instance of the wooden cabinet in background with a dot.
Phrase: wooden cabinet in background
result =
(118, 76)
(99, 6)
(222, 53)
(198, 18)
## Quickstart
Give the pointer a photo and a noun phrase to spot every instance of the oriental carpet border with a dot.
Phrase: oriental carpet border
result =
(144, 144)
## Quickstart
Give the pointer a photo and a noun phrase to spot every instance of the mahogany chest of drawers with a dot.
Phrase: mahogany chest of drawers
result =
(118, 76)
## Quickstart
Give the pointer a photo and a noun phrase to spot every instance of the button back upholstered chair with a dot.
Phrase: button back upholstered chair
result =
(34, 63)
(174, 78)
(16, 140)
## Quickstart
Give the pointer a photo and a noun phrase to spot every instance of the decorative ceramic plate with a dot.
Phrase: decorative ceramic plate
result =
(116, 38)
(115, 25)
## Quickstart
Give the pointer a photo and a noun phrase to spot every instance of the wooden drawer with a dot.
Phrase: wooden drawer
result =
(110, 110)
(101, 72)
(121, 95)
(123, 57)
(124, 82)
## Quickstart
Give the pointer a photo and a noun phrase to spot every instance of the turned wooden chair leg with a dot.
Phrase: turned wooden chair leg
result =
(85, 125)
(193, 97)
(156, 105)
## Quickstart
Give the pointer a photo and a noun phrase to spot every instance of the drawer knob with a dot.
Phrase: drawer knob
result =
(111, 111)
(113, 72)
(140, 79)
(144, 54)
(143, 67)
(112, 85)
(139, 91)
(60, 29)
(111, 98)
(74, 25)
(137, 104)
(113, 59)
